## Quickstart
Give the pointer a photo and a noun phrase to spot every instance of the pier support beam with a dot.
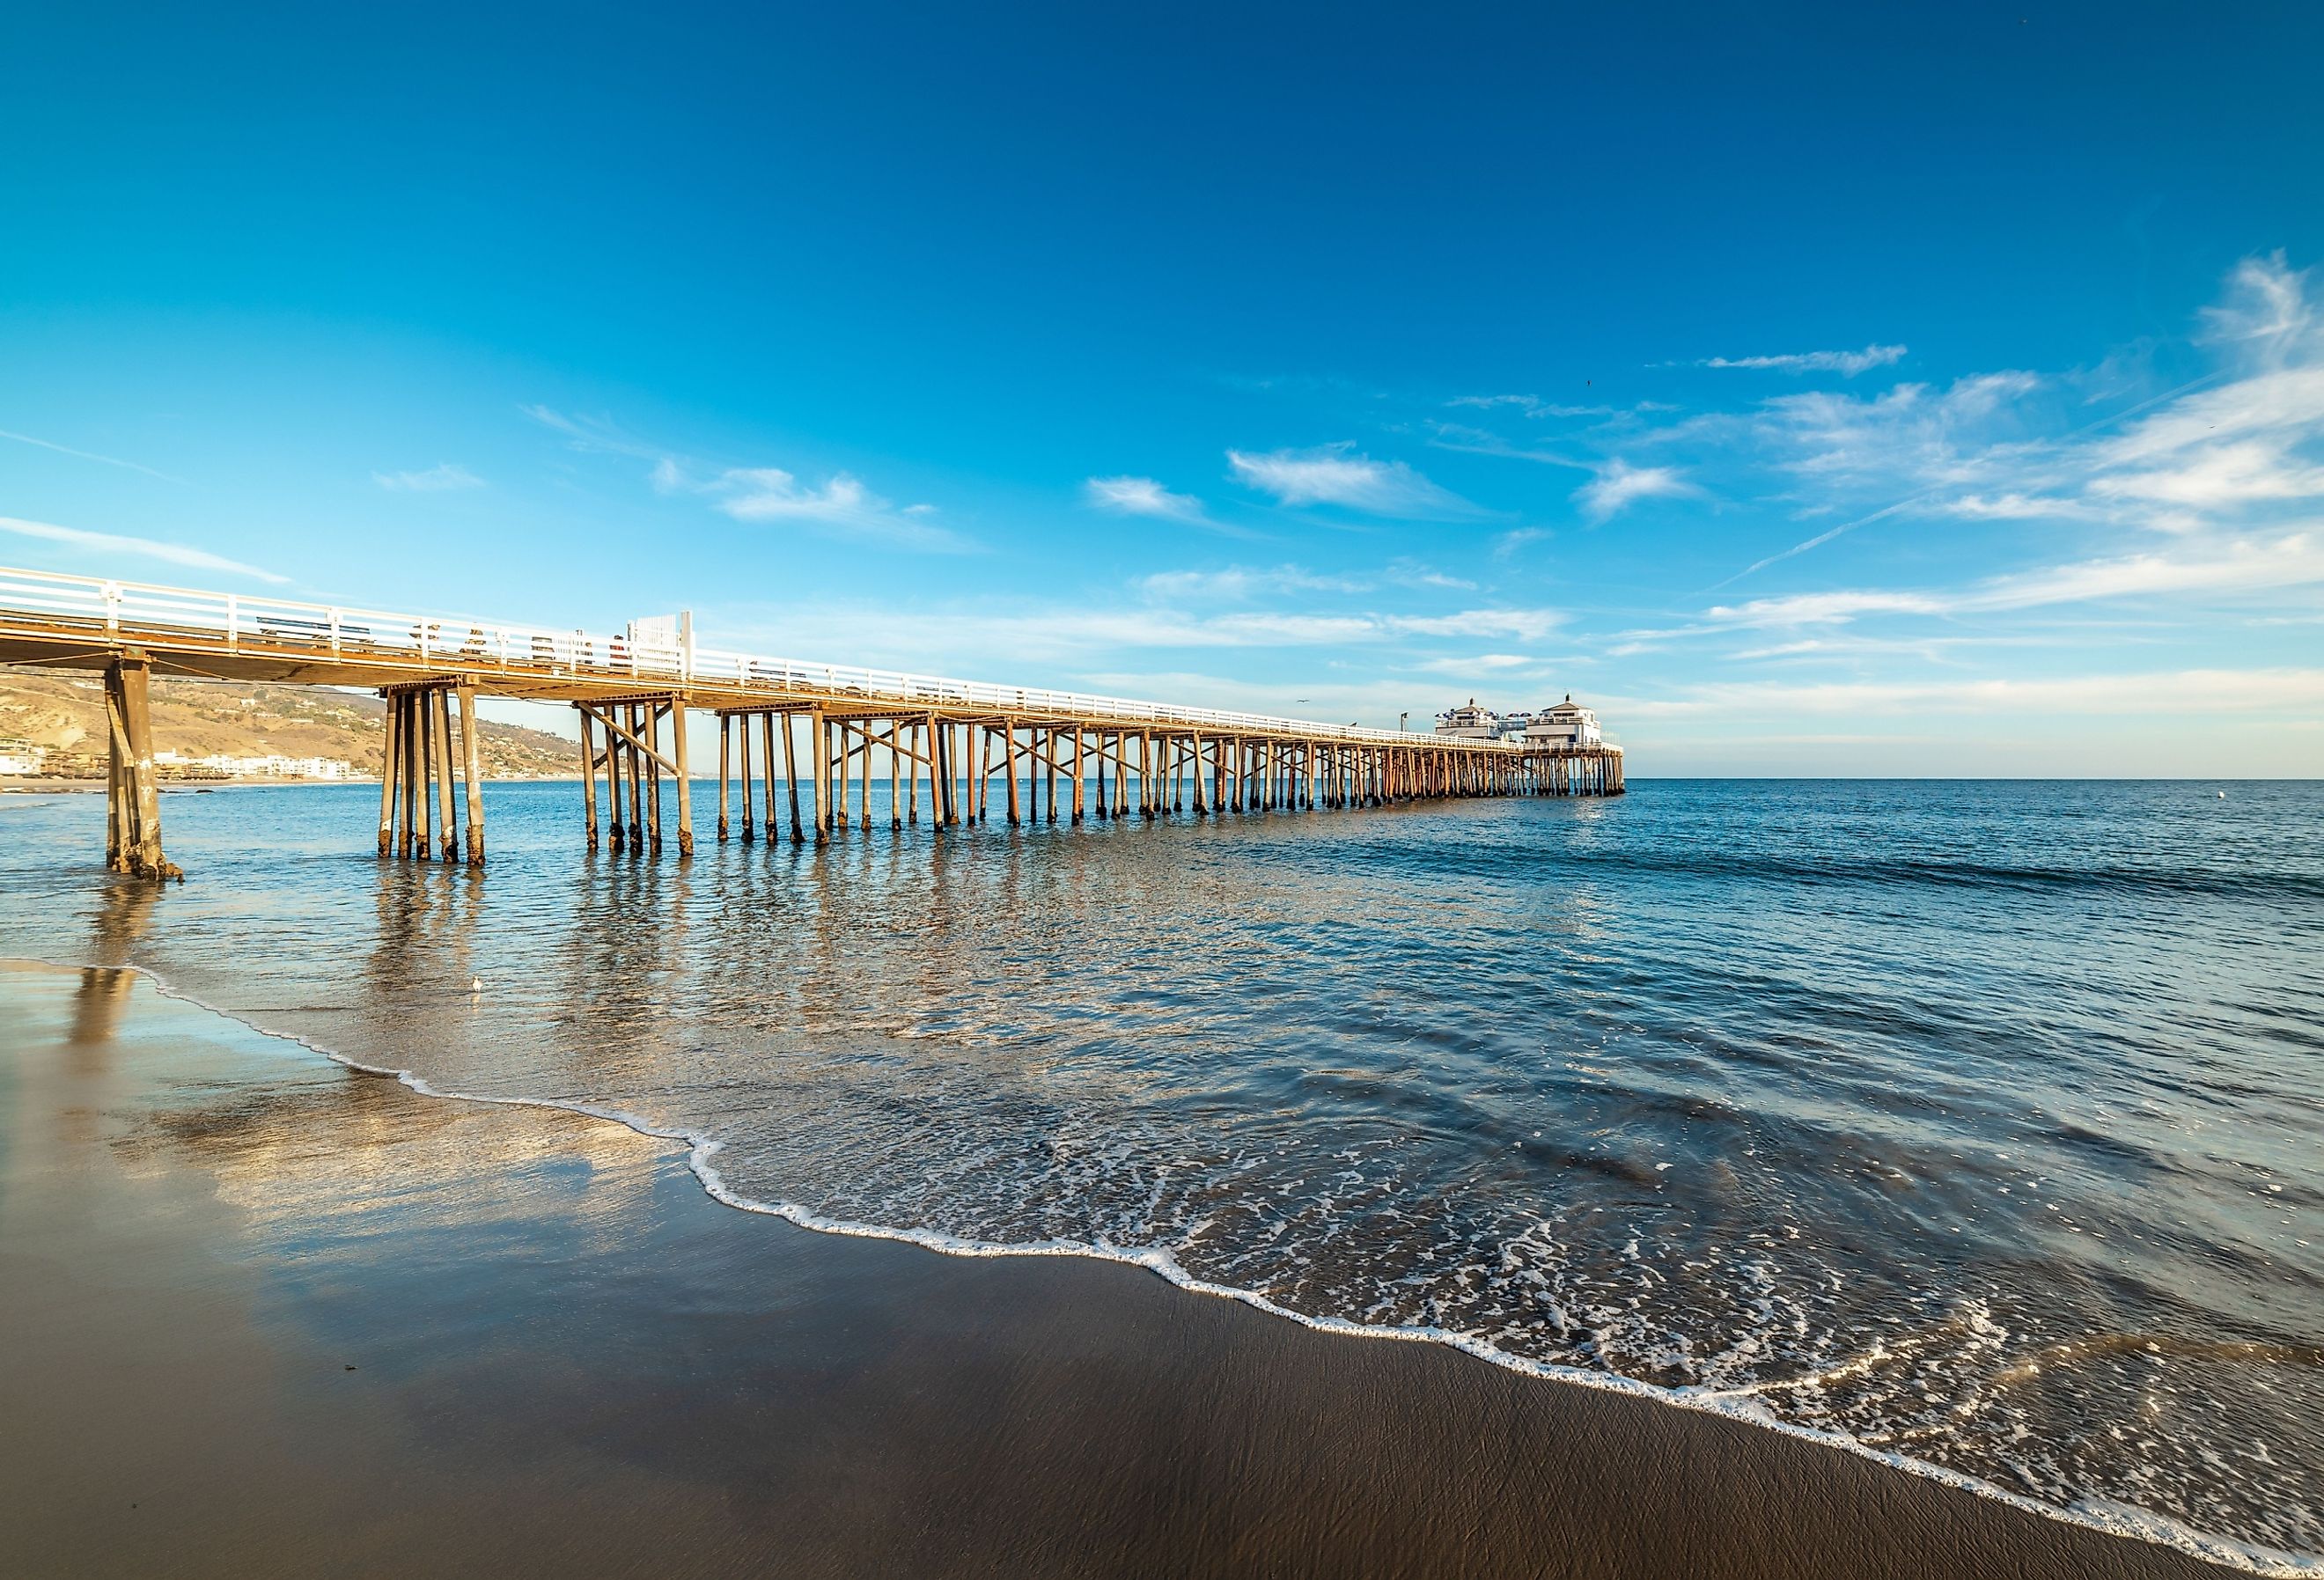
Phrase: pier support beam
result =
(685, 780)
(447, 847)
(132, 791)
(422, 760)
(633, 736)
(472, 773)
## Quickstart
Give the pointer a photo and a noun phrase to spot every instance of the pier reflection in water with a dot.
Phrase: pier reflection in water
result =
(1942, 1116)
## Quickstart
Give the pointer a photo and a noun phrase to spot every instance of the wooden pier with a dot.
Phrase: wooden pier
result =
(1030, 755)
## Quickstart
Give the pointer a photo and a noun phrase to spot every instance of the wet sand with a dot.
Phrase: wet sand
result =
(260, 1315)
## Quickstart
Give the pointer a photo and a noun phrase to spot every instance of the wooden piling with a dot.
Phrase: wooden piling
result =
(448, 837)
(134, 792)
(618, 830)
(116, 794)
(818, 736)
(895, 773)
(685, 780)
(414, 771)
(863, 791)
(472, 771)
(633, 767)
(588, 776)
(391, 746)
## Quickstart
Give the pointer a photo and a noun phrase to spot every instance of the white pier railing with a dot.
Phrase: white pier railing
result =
(45, 603)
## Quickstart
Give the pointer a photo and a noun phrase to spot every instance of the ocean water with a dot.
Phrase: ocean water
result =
(1978, 1126)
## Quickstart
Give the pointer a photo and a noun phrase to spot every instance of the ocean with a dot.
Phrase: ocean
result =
(1974, 1126)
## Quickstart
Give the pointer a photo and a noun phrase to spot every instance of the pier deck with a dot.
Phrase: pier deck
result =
(959, 736)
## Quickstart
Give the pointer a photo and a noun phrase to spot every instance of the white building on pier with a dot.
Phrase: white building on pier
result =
(1567, 727)
(1470, 722)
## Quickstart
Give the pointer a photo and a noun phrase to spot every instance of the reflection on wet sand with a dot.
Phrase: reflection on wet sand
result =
(1802, 1098)
(124, 907)
(271, 1317)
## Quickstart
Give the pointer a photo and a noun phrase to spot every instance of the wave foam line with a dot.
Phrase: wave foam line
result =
(2118, 1519)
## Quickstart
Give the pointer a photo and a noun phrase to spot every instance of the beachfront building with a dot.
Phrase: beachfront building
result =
(1567, 727)
(272, 765)
(1470, 722)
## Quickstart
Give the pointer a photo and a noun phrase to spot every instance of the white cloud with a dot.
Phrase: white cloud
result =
(2219, 477)
(1619, 484)
(1141, 496)
(2296, 559)
(1525, 624)
(2286, 402)
(2267, 313)
(1242, 583)
(1849, 363)
(1001, 641)
(841, 506)
(2013, 506)
(1237, 582)
(89, 456)
(144, 548)
(2187, 692)
(1337, 474)
(594, 435)
(440, 479)
(1535, 406)
(1830, 608)
(1912, 436)
(2207, 454)
(1480, 664)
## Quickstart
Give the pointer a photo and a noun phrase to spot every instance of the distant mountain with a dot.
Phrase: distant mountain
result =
(64, 711)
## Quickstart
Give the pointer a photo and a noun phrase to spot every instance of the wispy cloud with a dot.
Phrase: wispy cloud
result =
(1242, 583)
(2218, 453)
(997, 640)
(1916, 434)
(63, 449)
(1237, 583)
(2268, 312)
(1848, 363)
(1535, 406)
(840, 506)
(1141, 496)
(144, 548)
(2217, 476)
(597, 435)
(1338, 474)
(2295, 559)
(1619, 484)
(442, 478)
(1145, 496)
(2189, 692)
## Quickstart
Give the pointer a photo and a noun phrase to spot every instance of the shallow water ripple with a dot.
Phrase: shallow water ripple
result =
(1976, 1124)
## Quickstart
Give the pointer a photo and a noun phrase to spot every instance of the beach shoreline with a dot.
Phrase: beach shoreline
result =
(759, 1395)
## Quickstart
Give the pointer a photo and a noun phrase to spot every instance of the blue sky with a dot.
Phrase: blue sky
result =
(1927, 390)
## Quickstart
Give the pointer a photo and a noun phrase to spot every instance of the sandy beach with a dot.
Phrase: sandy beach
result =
(267, 1316)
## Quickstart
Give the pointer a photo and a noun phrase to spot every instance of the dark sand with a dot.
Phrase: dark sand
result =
(262, 1315)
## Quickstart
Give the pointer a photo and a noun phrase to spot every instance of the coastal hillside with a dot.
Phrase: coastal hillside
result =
(64, 714)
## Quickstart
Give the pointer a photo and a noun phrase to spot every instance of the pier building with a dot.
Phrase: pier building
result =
(1566, 727)
(1468, 722)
